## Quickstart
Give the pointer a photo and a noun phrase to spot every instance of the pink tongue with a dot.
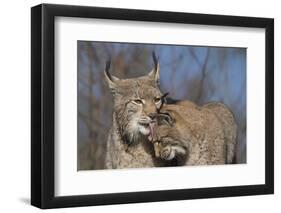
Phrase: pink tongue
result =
(151, 133)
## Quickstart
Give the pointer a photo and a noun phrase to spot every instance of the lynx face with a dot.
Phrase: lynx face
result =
(167, 142)
(135, 100)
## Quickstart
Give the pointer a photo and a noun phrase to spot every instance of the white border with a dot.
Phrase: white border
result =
(70, 182)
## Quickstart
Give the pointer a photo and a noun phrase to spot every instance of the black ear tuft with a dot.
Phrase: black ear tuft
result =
(107, 67)
(155, 60)
(163, 97)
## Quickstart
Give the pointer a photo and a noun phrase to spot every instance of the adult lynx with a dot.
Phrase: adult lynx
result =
(134, 100)
(187, 134)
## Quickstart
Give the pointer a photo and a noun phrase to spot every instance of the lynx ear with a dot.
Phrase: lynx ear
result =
(164, 118)
(111, 80)
(155, 72)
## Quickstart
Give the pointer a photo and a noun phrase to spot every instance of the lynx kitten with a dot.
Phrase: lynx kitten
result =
(186, 134)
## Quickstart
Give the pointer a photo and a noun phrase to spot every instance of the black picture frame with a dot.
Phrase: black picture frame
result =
(43, 105)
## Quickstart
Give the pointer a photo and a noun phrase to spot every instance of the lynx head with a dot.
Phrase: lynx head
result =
(167, 141)
(135, 100)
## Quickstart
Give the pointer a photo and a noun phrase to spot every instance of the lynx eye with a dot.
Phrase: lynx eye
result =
(157, 100)
(137, 101)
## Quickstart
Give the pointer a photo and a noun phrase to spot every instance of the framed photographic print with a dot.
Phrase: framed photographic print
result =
(139, 106)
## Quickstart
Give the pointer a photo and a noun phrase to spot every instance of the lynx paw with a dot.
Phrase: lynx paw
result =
(167, 153)
(170, 152)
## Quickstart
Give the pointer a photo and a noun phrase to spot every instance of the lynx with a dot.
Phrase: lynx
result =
(134, 100)
(186, 134)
